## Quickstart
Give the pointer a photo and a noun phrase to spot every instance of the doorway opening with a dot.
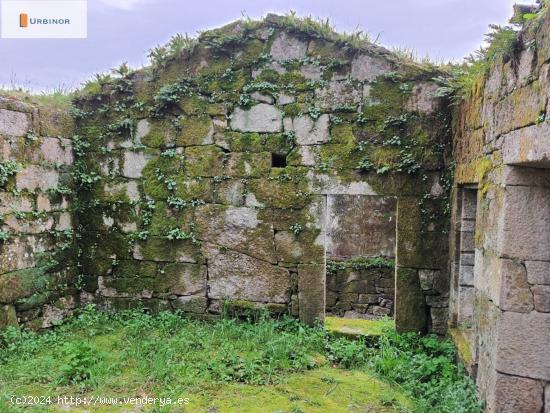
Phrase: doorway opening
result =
(360, 245)
(465, 255)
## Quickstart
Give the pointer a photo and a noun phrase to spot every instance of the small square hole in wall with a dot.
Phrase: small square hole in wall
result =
(278, 161)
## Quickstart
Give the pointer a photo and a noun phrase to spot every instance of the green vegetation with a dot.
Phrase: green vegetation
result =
(7, 169)
(359, 263)
(354, 327)
(4, 236)
(235, 366)
(324, 29)
(461, 79)
(57, 98)
(504, 43)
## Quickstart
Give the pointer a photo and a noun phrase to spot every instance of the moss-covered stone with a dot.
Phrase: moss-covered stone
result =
(106, 244)
(55, 122)
(161, 133)
(341, 157)
(410, 310)
(164, 250)
(23, 283)
(194, 188)
(159, 176)
(165, 219)
(195, 130)
(197, 106)
(327, 51)
(243, 142)
(134, 269)
(181, 279)
(422, 250)
(285, 188)
(204, 161)
(249, 165)
(8, 317)
(294, 110)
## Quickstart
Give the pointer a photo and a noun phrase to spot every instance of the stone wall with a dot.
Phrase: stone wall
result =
(37, 250)
(356, 289)
(500, 310)
(207, 175)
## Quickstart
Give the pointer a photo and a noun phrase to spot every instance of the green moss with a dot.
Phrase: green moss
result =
(341, 157)
(132, 269)
(295, 81)
(320, 390)
(233, 83)
(276, 143)
(342, 133)
(18, 284)
(389, 101)
(190, 189)
(159, 176)
(286, 188)
(144, 91)
(161, 134)
(243, 142)
(356, 327)
(268, 75)
(106, 244)
(194, 130)
(251, 310)
(195, 105)
(204, 161)
(293, 110)
(384, 156)
(250, 52)
(294, 158)
(164, 250)
(461, 340)
(359, 264)
(171, 278)
(308, 239)
(248, 164)
(96, 266)
(397, 184)
(165, 219)
(55, 122)
(134, 286)
(326, 51)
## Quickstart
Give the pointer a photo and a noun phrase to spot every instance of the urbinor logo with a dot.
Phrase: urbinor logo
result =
(23, 20)
(43, 19)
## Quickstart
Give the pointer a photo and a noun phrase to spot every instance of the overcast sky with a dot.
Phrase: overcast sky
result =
(124, 30)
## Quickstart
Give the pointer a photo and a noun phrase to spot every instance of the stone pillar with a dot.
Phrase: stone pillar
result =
(311, 292)
(7, 316)
(410, 307)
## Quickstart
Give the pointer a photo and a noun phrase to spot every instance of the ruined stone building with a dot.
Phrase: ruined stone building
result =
(274, 164)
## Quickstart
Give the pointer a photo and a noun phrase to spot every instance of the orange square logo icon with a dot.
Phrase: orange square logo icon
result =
(23, 20)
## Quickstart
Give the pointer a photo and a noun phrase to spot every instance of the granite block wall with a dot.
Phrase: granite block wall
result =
(500, 314)
(207, 176)
(38, 274)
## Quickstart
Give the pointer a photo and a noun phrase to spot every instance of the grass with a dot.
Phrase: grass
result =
(358, 327)
(55, 98)
(230, 366)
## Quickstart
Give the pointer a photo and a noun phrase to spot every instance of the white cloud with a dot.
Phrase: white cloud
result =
(124, 4)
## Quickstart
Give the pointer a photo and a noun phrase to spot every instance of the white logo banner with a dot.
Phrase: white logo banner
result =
(44, 19)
